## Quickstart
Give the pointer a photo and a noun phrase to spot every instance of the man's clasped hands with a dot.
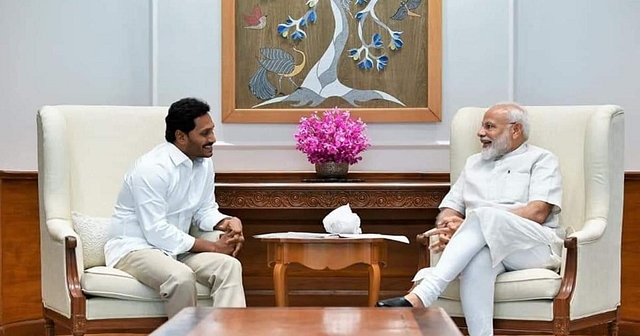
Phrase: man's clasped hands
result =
(232, 239)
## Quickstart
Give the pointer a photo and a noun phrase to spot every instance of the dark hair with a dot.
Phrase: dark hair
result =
(182, 115)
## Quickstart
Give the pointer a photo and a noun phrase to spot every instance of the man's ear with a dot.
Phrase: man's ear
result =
(517, 130)
(181, 137)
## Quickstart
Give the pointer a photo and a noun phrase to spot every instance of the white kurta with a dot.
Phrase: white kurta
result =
(527, 174)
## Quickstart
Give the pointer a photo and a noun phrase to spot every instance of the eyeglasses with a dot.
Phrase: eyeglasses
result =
(487, 126)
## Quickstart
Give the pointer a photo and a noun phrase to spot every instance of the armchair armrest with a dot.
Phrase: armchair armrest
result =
(55, 257)
(424, 254)
(60, 229)
(561, 303)
(598, 267)
(590, 232)
(78, 300)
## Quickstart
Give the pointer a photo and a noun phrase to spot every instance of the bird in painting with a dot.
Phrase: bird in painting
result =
(405, 9)
(279, 62)
(255, 20)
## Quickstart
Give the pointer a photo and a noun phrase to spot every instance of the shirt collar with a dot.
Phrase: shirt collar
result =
(176, 155)
(521, 149)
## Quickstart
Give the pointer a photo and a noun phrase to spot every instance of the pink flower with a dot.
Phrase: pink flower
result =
(333, 138)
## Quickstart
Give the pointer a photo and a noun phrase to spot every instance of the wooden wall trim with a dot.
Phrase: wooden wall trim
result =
(632, 176)
(18, 175)
(224, 177)
(630, 287)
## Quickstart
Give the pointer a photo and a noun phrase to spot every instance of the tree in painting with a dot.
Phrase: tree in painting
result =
(321, 81)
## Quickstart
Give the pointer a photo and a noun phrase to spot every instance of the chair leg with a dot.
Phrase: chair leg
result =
(613, 328)
(49, 327)
(560, 327)
(78, 328)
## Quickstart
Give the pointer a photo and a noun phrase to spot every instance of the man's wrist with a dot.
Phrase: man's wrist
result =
(214, 247)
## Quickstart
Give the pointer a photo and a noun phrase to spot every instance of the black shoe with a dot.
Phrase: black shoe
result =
(394, 302)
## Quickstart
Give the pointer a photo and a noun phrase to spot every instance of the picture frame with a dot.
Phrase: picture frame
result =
(233, 112)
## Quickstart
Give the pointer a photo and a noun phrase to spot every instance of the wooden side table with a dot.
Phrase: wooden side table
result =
(325, 253)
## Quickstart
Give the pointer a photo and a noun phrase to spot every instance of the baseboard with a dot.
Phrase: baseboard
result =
(33, 327)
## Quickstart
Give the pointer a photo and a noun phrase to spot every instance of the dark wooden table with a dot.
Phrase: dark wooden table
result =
(325, 253)
(309, 321)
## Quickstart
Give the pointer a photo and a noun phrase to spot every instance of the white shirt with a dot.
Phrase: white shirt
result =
(526, 174)
(161, 196)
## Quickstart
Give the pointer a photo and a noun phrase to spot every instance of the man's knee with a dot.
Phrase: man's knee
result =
(232, 265)
(183, 275)
(182, 280)
(229, 270)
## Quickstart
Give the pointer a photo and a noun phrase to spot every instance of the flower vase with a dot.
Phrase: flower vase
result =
(328, 170)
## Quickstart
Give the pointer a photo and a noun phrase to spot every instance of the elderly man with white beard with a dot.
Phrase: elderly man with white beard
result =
(500, 215)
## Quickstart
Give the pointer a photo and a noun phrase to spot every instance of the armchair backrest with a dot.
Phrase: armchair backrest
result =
(589, 143)
(86, 150)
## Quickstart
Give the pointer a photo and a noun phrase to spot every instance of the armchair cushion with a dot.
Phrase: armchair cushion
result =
(113, 283)
(512, 286)
(524, 285)
(93, 233)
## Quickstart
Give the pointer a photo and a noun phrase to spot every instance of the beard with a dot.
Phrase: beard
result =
(498, 148)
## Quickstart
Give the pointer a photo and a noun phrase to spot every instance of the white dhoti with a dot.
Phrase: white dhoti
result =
(488, 243)
(506, 233)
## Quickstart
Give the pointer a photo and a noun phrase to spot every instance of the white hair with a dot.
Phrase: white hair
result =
(517, 114)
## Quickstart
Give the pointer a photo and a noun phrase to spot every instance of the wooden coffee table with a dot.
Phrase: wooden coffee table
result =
(325, 253)
(309, 321)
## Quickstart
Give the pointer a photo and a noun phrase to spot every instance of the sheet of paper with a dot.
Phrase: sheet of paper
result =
(314, 235)
(398, 238)
(296, 235)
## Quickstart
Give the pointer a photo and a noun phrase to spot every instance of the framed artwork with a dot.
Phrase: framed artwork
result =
(284, 59)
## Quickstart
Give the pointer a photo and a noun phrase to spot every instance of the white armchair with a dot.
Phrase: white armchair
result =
(83, 154)
(589, 143)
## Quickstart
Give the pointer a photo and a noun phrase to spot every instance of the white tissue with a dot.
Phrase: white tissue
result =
(342, 220)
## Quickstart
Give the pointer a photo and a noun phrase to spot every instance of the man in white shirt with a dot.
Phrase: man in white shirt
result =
(166, 191)
(500, 215)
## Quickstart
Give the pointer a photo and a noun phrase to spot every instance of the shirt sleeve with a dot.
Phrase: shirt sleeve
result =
(454, 198)
(546, 182)
(149, 191)
(208, 214)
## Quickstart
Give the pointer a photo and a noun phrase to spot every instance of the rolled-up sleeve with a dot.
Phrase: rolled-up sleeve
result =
(149, 193)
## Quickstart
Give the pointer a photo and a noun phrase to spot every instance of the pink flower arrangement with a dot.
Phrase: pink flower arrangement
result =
(335, 137)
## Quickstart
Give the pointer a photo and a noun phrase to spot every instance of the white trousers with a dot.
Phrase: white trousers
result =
(488, 243)
(175, 280)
